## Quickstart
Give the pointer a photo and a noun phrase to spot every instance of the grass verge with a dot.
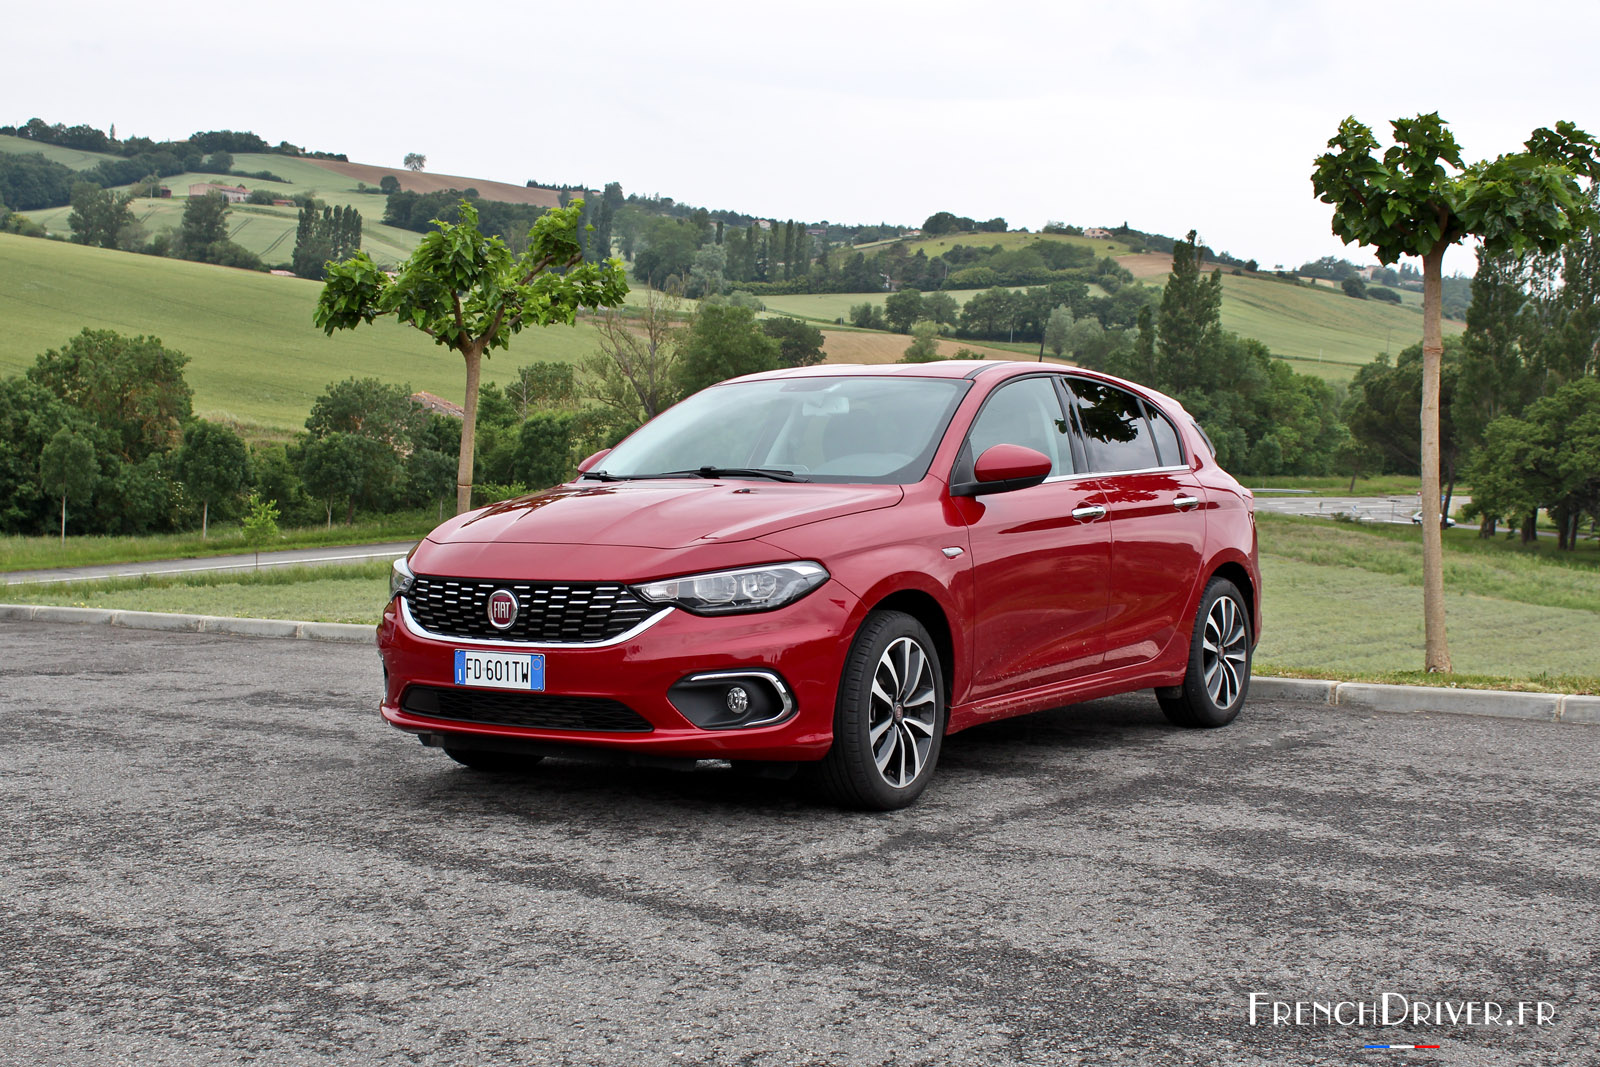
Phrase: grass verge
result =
(19, 553)
(339, 593)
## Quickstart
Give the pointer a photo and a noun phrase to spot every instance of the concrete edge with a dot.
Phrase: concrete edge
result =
(339, 632)
(1365, 696)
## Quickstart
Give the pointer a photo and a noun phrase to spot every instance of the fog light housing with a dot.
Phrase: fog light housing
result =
(733, 699)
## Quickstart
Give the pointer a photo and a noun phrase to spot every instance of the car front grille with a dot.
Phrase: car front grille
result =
(536, 711)
(557, 613)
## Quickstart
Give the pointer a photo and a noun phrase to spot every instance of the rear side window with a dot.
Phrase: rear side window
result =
(1115, 431)
(1166, 435)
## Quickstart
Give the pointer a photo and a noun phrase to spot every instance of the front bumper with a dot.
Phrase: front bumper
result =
(804, 644)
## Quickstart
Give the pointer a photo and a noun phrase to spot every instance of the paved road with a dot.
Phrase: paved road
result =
(292, 557)
(212, 851)
(1367, 508)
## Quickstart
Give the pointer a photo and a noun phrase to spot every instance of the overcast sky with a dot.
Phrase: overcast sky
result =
(1170, 116)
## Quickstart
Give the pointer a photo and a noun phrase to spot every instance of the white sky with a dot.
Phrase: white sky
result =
(1168, 115)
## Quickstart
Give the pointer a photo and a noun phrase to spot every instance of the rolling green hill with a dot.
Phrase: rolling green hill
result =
(254, 356)
(267, 231)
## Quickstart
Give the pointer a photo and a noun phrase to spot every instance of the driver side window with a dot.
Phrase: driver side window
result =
(1028, 413)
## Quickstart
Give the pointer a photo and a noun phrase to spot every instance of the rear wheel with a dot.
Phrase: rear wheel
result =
(1218, 677)
(889, 722)
(492, 762)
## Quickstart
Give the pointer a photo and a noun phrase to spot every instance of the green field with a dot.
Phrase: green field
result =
(75, 158)
(265, 230)
(254, 356)
(831, 307)
(1319, 330)
(934, 246)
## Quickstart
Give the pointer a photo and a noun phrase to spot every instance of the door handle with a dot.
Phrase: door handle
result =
(1089, 514)
(1185, 502)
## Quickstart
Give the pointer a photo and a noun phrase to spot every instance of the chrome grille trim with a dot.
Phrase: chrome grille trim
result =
(418, 630)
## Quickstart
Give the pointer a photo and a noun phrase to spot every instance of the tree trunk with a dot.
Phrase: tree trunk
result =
(205, 517)
(1530, 528)
(1436, 656)
(469, 428)
(63, 520)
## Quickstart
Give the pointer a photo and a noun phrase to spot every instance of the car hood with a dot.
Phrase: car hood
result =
(662, 512)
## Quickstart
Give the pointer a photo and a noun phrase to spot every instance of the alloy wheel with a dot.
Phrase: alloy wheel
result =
(1224, 651)
(903, 712)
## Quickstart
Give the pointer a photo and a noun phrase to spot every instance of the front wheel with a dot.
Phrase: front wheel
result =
(1218, 677)
(890, 718)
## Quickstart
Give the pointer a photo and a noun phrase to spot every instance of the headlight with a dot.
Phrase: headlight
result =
(732, 592)
(400, 578)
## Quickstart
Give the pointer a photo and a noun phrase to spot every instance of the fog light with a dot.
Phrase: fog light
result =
(738, 699)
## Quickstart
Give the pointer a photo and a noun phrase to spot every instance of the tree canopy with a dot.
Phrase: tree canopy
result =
(471, 294)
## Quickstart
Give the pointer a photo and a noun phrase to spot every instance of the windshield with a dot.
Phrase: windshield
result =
(847, 429)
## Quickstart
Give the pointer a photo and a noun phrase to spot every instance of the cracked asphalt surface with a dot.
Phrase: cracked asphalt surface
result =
(213, 851)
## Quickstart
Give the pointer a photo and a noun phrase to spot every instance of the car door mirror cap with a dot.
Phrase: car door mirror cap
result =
(588, 464)
(1004, 468)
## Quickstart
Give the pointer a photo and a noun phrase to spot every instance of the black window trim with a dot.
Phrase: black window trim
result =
(961, 472)
(1066, 383)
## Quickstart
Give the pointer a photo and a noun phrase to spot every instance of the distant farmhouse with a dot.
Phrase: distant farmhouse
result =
(1099, 233)
(438, 405)
(233, 194)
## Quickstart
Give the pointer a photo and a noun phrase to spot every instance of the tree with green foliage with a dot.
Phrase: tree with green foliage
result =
(338, 469)
(544, 450)
(1056, 329)
(723, 342)
(389, 184)
(332, 235)
(415, 161)
(634, 375)
(260, 524)
(368, 407)
(1418, 199)
(131, 388)
(799, 342)
(1190, 322)
(213, 465)
(205, 223)
(903, 308)
(472, 295)
(868, 316)
(1547, 458)
(100, 217)
(924, 346)
(543, 387)
(941, 308)
(1353, 286)
(67, 469)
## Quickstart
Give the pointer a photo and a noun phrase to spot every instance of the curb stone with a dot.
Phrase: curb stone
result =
(1540, 707)
(340, 632)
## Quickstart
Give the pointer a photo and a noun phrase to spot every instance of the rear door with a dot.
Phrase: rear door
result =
(1156, 516)
(1040, 555)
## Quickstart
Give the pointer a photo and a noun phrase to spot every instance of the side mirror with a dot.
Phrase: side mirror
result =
(1003, 468)
(592, 460)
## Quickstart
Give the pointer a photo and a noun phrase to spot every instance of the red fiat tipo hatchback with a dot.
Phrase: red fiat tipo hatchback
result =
(836, 567)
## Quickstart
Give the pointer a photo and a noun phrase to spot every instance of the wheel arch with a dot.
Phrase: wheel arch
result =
(931, 614)
(1239, 575)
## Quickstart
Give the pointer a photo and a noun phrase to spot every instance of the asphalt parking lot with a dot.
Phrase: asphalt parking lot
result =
(213, 851)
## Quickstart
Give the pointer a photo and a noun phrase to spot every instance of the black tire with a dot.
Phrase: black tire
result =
(491, 762)
(1218, 679)
(888, 724)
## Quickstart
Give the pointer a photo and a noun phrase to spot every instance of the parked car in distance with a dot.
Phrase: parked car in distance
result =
(834, 568)
(1445, 521)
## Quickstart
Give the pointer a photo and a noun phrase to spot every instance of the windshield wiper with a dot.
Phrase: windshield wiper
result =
(730, 472)
(602, 476)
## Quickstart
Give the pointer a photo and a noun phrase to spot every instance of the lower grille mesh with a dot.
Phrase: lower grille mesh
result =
(536, 711)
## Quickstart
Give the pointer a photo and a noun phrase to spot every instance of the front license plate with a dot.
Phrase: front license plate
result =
(500, 670)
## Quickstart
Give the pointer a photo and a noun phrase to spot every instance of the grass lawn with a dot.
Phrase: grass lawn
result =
(1346, 601)
(1341, 601)
(831, 307)
(76, 158)
(42, 553)
(354, 593)
(254, 356)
